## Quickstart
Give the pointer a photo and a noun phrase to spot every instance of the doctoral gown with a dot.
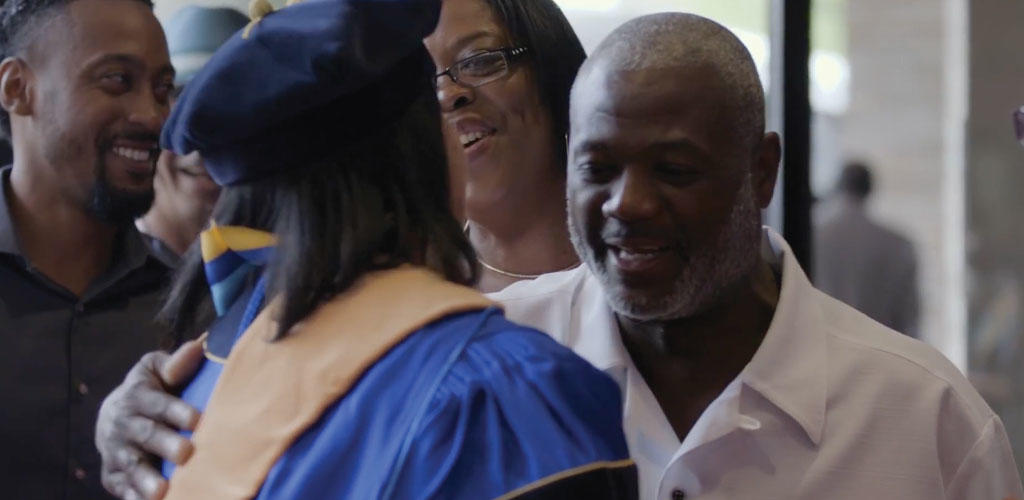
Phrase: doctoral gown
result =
(467, 406)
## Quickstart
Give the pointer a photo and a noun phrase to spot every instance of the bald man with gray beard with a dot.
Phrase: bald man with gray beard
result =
(739, 379)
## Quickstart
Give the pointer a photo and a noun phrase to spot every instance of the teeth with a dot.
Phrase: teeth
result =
(637, 256)
(467, 139)
(132, 153)
(640, 252)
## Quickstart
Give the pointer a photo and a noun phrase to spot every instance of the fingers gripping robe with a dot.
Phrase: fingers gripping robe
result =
(140, 417)
(175, 371)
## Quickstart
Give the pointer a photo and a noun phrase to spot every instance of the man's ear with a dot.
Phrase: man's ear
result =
(15, 86)
(766, 168)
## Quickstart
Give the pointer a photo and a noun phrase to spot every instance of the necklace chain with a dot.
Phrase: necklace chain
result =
(522, 276)
(574, 265)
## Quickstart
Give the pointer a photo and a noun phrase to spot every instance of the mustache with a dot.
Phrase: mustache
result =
(615, 230)
(132, 134)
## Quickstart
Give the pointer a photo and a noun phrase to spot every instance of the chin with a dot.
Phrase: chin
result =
(647, 307)
(484, 196)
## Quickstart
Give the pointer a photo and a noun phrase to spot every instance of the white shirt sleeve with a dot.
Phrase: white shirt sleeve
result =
(988, 470)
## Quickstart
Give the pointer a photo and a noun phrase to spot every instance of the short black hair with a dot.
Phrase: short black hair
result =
(855, 180)
(378, 201)
(17, 20)
(555, 53)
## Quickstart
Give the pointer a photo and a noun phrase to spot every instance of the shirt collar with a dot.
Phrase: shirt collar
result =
(131, 251)
(790, 367)
(596, 338)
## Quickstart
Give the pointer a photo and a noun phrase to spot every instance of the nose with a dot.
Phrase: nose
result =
(451, 95)
(149, 112)
(634, 196)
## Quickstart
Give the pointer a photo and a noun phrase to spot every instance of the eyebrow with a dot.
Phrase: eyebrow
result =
(125, 59)
(679, 145)
(463, 41)
(685, 145)
(591, 147)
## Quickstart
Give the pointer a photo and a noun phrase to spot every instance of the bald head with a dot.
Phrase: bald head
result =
(686, 43)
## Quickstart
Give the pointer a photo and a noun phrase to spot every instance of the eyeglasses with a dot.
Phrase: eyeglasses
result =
(1018, 124)
(482, 68)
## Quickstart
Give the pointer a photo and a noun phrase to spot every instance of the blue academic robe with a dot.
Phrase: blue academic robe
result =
(470, 406)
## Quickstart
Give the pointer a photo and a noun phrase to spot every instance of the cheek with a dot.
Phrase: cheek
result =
(584, 205)
(456, 171)
(700, 209)
(520, 102)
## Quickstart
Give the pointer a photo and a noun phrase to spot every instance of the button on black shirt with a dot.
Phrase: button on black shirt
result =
(60, 355)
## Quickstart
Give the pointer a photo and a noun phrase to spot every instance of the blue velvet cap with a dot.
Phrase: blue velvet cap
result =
(300, 81)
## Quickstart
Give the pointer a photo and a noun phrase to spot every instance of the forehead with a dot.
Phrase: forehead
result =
(463, 21)
(646, 105)
(91, 27)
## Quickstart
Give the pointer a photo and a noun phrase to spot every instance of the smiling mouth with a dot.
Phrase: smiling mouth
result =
(135, 154)
(472, 138)
(640, 259)
(638, 253)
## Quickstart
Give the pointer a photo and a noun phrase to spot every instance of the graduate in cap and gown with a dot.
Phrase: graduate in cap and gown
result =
(346, 357)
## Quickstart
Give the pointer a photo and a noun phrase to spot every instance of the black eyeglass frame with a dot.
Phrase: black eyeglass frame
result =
(510, 54)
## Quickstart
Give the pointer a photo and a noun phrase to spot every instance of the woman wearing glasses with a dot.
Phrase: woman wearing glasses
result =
(505, 69)
(504, 72)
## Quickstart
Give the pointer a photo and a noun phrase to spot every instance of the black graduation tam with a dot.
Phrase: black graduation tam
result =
(301, 80)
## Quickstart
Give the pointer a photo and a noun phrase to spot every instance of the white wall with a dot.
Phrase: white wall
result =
(164, 9)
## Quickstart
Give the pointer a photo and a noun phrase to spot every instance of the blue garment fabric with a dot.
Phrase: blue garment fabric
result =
(471, 406)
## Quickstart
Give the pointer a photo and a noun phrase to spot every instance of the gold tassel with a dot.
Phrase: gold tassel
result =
(289, 3)
(258, 9)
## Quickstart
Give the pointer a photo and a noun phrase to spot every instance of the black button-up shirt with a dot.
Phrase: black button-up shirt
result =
(59, 357)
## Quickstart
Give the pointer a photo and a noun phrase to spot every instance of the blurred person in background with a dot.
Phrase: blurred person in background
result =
(184, 192)
(85, 88)
(863, 263)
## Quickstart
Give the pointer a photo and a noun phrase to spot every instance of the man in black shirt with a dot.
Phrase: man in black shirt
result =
(84, 87)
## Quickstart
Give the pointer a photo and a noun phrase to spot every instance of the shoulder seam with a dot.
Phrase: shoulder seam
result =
(984, 432)
(931, 372)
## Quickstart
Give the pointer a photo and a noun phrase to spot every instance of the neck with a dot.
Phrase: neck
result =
(703, 352)
(528, 239)
(58, 237)
(177, 233)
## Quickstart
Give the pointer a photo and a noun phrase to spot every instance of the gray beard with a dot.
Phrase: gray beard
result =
(708, 273)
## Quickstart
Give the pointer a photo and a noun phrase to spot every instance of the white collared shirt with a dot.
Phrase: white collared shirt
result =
(832, 405)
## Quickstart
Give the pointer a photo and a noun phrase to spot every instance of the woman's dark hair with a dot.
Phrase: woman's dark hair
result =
(555, 53)
(378, 201)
